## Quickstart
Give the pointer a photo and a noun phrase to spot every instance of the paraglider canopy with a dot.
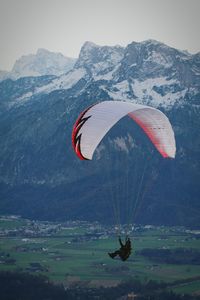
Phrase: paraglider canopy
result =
(93, 124)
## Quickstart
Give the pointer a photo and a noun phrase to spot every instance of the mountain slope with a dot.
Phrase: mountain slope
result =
(40, 175)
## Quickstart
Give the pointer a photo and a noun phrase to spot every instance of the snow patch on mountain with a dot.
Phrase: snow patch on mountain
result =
(63, 82)
(120, 143)
(147, 92)
(159, 59)
(119, 91)
(101, 70)
(107, 76)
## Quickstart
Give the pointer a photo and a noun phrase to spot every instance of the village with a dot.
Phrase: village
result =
(76, 229)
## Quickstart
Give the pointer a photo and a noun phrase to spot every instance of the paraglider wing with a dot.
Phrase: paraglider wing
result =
(93, 124)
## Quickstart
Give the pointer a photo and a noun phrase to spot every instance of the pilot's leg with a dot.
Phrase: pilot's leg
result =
(112, 255)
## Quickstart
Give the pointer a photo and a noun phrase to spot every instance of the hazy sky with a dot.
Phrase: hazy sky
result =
(64, 25)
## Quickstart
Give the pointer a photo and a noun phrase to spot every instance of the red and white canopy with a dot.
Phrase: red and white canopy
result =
(93, 124)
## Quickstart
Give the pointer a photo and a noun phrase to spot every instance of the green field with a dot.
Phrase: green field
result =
(64, 260)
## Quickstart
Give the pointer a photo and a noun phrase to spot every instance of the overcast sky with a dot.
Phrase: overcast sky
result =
(64, 25)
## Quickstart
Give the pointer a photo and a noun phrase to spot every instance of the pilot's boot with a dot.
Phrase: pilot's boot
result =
(112, 255)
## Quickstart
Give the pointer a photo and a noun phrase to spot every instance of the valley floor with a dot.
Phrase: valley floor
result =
(75, 253)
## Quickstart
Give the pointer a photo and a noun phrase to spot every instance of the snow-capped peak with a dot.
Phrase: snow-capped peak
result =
(152, 42)
(42, 51)
(44, 62)
(88, 45)
(99, 59)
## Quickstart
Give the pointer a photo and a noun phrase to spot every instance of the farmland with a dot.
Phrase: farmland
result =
(75, 253)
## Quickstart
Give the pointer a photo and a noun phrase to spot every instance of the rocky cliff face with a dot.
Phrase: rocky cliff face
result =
(40, 175)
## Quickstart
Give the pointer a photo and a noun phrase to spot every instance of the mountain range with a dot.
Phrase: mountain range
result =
(40, 175)
(44, 62)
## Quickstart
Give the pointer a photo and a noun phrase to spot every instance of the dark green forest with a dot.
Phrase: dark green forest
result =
(172, 256)
(23, 286)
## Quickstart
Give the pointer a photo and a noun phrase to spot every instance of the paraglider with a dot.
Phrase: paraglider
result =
(125, 250)
(96, 121)
(93, 124)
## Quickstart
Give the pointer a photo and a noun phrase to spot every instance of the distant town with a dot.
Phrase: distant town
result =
(91, 230)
